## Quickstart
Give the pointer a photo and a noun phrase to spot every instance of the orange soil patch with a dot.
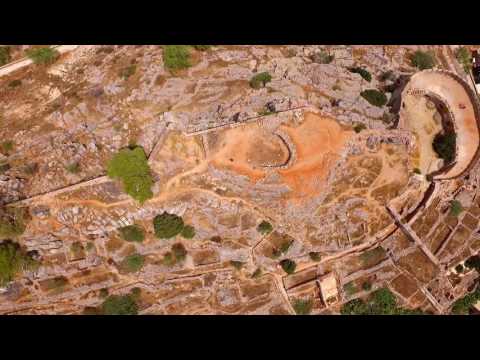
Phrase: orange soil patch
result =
(318, 141)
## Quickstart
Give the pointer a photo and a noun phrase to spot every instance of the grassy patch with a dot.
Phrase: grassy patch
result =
(73, 168)
(13, 261)
(43, 56)
(119, 305)
(132, 233)
(456, 208)
(176, 57)
(350, 288)
(371, 257)
(374, 97)
(131, 167)
(4, 55)
(12, 223)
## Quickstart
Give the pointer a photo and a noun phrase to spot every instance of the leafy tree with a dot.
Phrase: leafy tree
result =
(464, 57)
(303, 306)
(456, 208)
(132, 233)
(43, 56)
(260, 80)
(288, 266)
(264, 227)
(132, 263)
(445, 145)
(13, 260)
(374, 97)
(167, 225)
(131, 167)
(362, 72)
(4, 55)
(473, 262)
(176, 57)
(188, 232)
(120, 305)
(423, 59)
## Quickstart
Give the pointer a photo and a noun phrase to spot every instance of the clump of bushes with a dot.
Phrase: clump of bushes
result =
(288, 266)
(188, 232)
(167, 225)
(322, 57)
(131, 167)
(473, 262)
(303, 306)
(264, 227)
(43, 56)
(178, 253)
(12, 223)
(4, 55)
(132, 263)
(445, 145)
(315, 256)
(374, 97)
(73, 168)
(132, 233)
(176, 57)
(362, 72)
(380, 302)
(6, 147)
(120, 305)
(367, 286)
(463, 305)
(423, 59)
(456, 208)
(350, 288)
(13, 260)
(464, 57)
(260, 80)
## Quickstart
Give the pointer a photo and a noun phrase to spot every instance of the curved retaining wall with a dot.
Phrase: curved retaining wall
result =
(468, 134)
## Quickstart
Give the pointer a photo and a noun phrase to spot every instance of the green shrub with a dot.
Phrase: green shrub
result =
(286, 246)
(132, 263)
(354, 307)
(303, 306)
(463, 305)
(120, 305)
(315, 256)
(15, 83)
(12, 223)
(288, 266)
(6, 147)
(127, 71)
(179, 252)
(103, 293)
(264, 227)
(13, 260)
(423, 59)
(374, 97)
(350, 288)
(202, 47)
(464, 57)
(322, 57)
(367, 286)
(136, 292)
(417, 171)
(456, 208)
(56, 283)
(131, 167)
(77, 249)
(257, 273)
(459, 268)
(4, 55)
(73, 168)
(260, 80)
(4, 167)
(43, 56)
(445, 145)
(176, 57)
(168, 259)
(359, 127)
(362, 72)
(236, 264)
(167, 225)
(473, 262)
(188, 232)
(132, 233)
